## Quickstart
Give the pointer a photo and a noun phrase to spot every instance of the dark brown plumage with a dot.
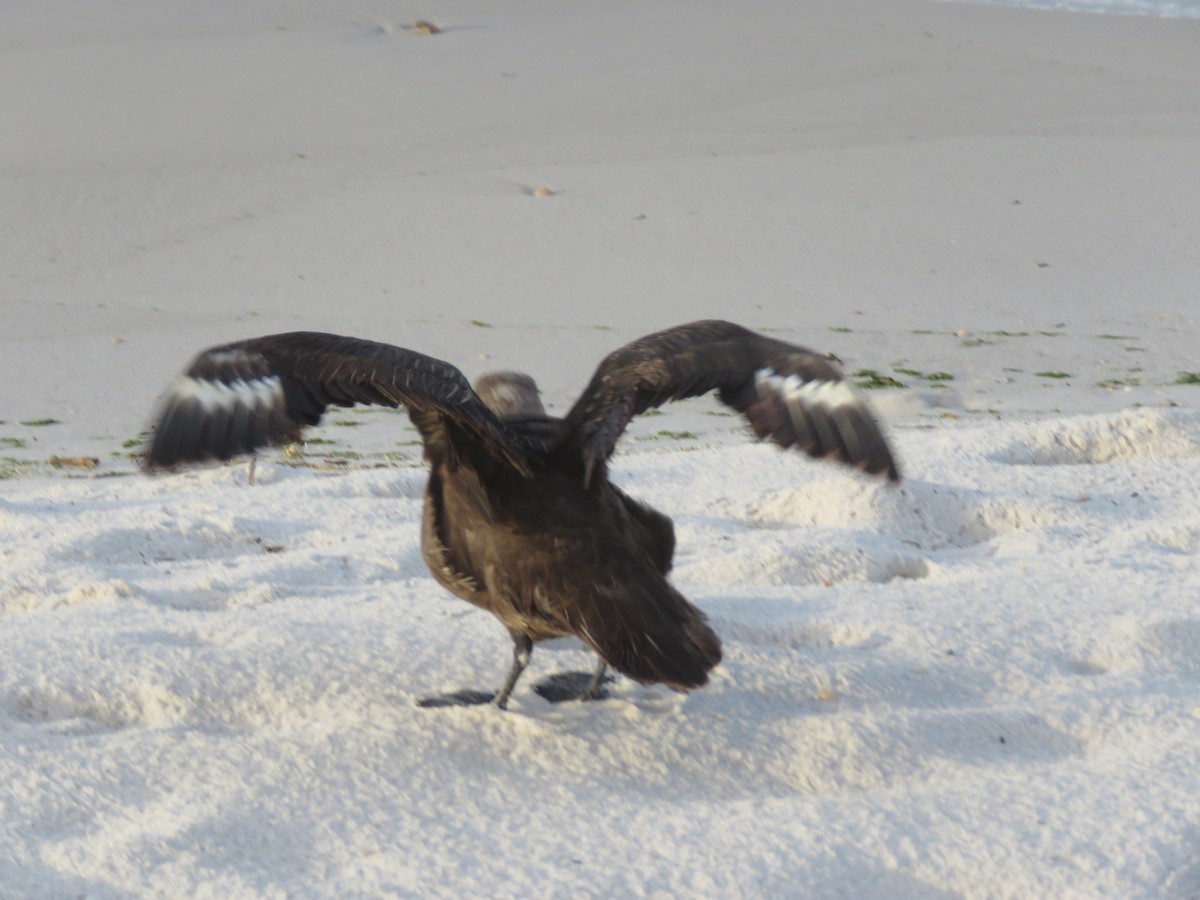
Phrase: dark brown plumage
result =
(520, 517)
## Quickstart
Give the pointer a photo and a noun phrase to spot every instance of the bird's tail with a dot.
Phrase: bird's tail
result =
(648, 631)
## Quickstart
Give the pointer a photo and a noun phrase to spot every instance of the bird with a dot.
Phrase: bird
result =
(520, 517)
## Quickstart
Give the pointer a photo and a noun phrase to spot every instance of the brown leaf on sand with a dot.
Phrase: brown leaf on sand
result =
(79, 462)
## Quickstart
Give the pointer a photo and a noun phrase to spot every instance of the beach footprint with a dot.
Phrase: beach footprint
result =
(1098, 440)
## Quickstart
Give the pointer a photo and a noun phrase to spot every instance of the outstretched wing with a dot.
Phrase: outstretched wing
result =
(789, 394)
(238, 397)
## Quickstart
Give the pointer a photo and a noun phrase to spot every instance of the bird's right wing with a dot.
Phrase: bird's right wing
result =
(788, 394)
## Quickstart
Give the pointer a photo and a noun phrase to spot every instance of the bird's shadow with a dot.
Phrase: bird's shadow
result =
(557, 688)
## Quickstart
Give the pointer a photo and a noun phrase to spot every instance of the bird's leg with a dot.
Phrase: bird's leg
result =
(563, 686)
(592, 691)
(250, 471)
(522, 651)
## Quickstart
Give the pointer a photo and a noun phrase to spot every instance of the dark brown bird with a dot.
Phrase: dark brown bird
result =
(520, 517)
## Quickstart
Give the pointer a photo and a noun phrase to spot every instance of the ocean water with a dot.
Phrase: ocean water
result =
(1172, 9)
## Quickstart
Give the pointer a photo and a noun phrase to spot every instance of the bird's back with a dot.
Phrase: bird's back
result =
(549, 557)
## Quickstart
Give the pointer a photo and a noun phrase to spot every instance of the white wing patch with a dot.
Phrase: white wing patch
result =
(211, 395)
(830, 394)
(226, 357)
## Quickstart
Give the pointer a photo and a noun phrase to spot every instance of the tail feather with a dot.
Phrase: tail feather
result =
(648, 631)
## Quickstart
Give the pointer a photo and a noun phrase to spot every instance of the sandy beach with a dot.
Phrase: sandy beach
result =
(983, 683)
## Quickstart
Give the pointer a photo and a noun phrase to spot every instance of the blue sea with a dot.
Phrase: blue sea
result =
(1175, 9)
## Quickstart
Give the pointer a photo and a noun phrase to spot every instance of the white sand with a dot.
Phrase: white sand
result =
(985, 683)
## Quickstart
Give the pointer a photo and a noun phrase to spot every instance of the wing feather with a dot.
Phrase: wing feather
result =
(788, 393)
(238, 397)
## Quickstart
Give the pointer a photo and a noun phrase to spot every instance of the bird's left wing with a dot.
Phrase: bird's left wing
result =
(238, 397)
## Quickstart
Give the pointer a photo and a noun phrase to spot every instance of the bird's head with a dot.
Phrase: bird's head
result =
(510, 394)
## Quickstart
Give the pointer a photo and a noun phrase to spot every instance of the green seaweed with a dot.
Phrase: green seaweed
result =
(870, 380)
(10, 466)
